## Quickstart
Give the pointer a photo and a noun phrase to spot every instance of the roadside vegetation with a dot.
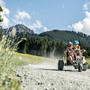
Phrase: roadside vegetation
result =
(8, 80)
(88, 60)
(25, 59)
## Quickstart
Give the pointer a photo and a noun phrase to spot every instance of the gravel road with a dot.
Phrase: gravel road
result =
(46, 76)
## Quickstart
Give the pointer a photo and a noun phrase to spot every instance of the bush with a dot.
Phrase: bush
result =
(8, 79)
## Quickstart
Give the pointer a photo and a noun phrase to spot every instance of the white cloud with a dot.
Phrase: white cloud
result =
(5, 22)
(38, 26)
(83, 25)
(46, 29)
(5, 14)
(22, 15)
(17, 21)
(85, 7)
(35, 26)
(78, 26)
(2, 3)
(69, 26)
(5, 11)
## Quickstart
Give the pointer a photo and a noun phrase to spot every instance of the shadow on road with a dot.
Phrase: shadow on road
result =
(57, 70)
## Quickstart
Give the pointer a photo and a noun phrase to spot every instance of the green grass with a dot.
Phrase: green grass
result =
(88, 60)
(25, 59)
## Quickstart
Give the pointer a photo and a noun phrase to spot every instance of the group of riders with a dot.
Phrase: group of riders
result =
(72, 50)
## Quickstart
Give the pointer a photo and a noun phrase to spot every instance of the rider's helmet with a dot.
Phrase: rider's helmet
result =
(75, 42)
(69, 44)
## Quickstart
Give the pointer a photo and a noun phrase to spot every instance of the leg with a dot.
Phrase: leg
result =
(83, 59)
(70, 59)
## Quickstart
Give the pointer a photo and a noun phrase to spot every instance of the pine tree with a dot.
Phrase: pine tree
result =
(1, 20)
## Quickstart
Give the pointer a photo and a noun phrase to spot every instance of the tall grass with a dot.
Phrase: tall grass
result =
(8, 80)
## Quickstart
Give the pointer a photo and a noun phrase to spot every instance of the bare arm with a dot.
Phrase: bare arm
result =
(65, 52)
(83, 51)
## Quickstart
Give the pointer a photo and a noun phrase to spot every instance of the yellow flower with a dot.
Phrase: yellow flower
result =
(7, 49)
(0, 48)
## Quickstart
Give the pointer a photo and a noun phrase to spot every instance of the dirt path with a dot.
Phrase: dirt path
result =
(46, 77)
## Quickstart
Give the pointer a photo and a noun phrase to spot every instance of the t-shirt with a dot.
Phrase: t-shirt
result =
(68, 52)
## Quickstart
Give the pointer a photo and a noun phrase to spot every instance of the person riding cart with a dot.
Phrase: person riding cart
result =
(68, 51)
(74, 57)
(76, 53)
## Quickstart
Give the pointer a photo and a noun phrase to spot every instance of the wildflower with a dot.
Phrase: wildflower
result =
(0, 48)
(7, 49)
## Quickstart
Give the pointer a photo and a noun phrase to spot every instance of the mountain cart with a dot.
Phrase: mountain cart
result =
(77, 63)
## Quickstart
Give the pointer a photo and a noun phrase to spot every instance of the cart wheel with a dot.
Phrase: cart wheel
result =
(75, 66)
(85, 66)
(60, 64)
(80, 67)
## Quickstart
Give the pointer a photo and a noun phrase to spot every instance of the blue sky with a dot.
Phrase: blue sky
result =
(44, 15)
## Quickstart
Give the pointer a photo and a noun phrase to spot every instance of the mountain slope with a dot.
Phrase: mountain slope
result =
(66, 36)
(56, 35)
(20, 30)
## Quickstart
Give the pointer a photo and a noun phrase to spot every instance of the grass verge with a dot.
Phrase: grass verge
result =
(25, 59)
(88, 60)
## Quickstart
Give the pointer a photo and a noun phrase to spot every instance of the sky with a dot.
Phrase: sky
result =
(46, 15)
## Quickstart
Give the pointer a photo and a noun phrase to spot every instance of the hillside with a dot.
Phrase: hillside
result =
(21, 30)
(55, 35)
(58, 35)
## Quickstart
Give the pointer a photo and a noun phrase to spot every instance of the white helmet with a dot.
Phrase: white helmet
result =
(69, 44)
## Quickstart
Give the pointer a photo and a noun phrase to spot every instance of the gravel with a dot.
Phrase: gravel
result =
(46, 76)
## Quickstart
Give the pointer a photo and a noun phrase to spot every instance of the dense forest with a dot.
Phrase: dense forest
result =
(46, 47)
(42, 47)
